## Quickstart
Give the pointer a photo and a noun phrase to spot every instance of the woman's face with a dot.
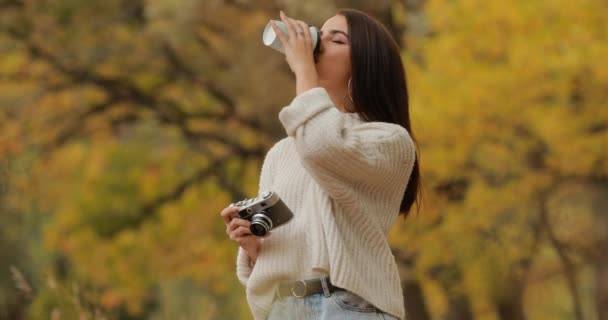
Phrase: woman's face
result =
(333, 60)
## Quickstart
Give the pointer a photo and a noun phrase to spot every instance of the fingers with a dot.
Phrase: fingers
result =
(297, 24)
(305, 33)
(242, 240)
(239, 232)
(238, 228)
(289, 24)
(228, 212)
(296, 29)
(250, 237)
(238, 222)
(280, 34)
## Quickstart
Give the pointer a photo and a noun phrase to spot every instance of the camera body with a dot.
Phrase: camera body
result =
(266, 212)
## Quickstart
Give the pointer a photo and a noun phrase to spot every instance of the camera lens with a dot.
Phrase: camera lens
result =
(258, 230)
(260, 224)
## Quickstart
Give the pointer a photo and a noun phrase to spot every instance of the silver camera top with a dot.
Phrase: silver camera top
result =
(263, 201)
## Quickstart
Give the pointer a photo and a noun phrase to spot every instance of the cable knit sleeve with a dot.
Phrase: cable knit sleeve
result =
(243, 263)
(339, 155)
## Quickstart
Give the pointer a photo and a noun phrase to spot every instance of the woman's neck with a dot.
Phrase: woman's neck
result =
(341, 100)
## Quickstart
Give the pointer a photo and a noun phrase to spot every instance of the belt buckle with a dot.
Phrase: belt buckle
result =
(293, 289)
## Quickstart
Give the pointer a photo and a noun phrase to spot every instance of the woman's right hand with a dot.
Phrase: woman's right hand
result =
(237, 229)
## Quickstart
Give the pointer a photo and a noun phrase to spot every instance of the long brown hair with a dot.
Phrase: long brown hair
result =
(378, 85)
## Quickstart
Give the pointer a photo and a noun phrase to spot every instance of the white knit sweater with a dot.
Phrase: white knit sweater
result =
(344, 180)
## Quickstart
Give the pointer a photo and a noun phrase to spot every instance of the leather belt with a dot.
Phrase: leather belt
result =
(303, 288)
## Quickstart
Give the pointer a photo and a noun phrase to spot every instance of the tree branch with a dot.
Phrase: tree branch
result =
(121, 89)
(149, 209)
(230, 105)
(568, 265)
(76, 127)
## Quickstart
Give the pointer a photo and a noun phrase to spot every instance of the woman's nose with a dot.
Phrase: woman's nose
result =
(323, 41)
(324, 36)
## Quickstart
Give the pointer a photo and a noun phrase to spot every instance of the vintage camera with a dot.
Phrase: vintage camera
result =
(266, 212)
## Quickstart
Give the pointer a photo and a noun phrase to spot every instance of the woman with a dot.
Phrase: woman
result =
(347, 169)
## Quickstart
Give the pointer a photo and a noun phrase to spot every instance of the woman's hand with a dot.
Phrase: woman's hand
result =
(237, 229)
(298, 52)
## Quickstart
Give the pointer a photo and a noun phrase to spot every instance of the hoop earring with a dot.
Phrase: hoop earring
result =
(350, 95)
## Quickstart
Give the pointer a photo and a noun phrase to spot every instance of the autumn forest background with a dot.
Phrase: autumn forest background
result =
(127, 125)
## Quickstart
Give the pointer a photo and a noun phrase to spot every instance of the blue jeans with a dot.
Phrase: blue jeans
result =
(341, 305)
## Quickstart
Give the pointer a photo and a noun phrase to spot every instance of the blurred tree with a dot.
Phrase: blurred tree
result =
(508, 107)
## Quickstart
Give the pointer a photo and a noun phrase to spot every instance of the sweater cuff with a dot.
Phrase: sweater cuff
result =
(303, 107)
(243, 266)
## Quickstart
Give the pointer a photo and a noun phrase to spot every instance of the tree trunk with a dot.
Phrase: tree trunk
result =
(415, 305)
(450, 279)
(459, 308)
(511, 308)
(570, 271)
(601, 289)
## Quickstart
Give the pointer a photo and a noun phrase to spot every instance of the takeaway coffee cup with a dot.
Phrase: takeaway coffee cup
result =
(269, 37)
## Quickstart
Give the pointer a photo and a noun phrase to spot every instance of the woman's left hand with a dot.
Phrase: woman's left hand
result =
(298, 52)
